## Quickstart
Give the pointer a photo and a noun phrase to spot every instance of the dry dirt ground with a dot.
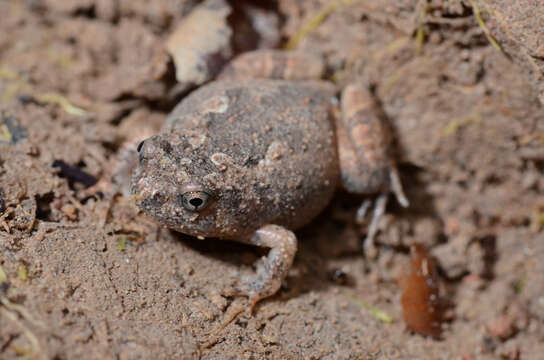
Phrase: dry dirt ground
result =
(462, 90)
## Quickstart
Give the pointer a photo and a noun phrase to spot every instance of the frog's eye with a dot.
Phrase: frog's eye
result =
(194, 200)
(139, 147)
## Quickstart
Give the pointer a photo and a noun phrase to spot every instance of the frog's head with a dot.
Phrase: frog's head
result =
(180, 188)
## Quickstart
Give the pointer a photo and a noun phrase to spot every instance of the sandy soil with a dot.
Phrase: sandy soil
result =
(80, 77)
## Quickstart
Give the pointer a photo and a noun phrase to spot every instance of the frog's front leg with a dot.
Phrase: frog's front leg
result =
(364, 149)
(283, 247)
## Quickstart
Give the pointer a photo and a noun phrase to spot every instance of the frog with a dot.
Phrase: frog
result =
(259, 152)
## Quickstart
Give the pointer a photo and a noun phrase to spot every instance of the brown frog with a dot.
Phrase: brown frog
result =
(251, 160)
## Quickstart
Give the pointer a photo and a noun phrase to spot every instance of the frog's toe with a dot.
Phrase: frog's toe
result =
(255, 289)
(379, 209)
(396, 187)
(262, 287)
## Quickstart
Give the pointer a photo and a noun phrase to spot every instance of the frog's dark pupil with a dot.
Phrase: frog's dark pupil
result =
(196, 202)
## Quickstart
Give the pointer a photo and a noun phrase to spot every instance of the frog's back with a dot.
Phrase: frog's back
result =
(242, 118)
(278, 134)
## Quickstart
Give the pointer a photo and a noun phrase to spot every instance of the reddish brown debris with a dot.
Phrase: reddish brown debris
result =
(421, 308)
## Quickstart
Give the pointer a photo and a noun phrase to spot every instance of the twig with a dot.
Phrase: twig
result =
(314, 22)
(483, 26)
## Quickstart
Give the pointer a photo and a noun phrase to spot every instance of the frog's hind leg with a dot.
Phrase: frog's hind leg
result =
(275, 64)
(364, 149)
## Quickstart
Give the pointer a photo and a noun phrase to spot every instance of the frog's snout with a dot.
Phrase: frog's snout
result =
(141, 190)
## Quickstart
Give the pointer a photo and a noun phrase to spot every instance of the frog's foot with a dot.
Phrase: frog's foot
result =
(270, 275)
(379, 210)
